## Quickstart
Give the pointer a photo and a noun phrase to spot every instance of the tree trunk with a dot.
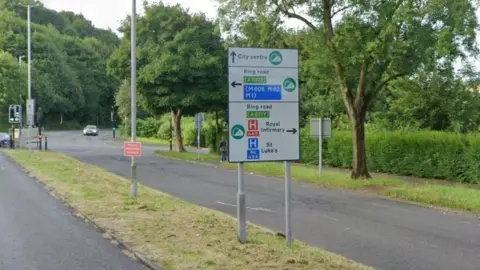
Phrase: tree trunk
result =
(359, 159)
(177, 126)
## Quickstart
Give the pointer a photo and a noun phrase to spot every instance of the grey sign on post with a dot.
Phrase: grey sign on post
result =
(321, 128)
(199, 117)
(326, 128)
(30, 111)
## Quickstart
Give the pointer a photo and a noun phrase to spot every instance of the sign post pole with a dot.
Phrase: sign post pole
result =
(320, 146)
(288, 200)
(133, 80)
(241, 206)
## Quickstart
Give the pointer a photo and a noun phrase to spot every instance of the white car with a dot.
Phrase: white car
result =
(90, 130)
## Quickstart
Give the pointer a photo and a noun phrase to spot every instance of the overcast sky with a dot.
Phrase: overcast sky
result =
(109, 13)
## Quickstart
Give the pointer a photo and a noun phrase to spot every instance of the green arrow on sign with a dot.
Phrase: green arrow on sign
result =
(289, 85)
(275, 58)
(238, 132)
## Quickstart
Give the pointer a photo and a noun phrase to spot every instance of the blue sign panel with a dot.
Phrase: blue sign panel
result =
(262, 92)
(253, 154)
(253, 143)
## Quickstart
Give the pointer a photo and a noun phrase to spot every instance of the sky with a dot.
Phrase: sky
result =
(108, 13)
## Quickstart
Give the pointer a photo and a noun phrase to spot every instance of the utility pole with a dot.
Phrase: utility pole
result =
(30, 103)
(133, 114)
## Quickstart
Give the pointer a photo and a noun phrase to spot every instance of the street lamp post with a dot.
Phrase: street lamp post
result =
(20, 59)
(29, 57)
(133, 114)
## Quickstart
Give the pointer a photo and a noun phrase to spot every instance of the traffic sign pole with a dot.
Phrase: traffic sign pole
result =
(320, 147)
(134, 94)
(288, 199)
(241, 206)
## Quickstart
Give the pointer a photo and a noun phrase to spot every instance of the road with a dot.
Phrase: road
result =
(38, 232)
(372, 230)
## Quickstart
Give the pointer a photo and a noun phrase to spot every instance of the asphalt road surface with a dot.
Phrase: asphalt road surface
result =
(38, 232)
(375, 231)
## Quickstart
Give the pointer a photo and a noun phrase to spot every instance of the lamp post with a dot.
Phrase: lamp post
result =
(29, 56)
(133, 79)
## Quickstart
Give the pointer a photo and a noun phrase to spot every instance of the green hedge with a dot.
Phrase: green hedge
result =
(160, 128)
(427, 154)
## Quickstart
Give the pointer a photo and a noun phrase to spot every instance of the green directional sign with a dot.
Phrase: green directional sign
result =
(289, 85)
(258, 114)
(275, 58)
(238, 132)
(255, 79)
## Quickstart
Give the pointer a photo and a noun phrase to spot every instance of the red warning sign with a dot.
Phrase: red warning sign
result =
(132, 149)
(253, 128)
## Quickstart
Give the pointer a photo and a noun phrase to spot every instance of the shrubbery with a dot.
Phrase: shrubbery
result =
(429, 154)
(160, 128)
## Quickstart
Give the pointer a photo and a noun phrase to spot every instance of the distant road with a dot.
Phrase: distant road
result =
(39, 233)
(375, 231)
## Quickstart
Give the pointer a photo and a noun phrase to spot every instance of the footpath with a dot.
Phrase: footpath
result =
(38, 232)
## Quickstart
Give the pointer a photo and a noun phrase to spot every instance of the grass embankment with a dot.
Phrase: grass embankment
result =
(172, 232)
(450, 196)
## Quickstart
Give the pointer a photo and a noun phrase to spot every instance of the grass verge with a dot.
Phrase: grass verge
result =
(172, 232)
(299, 172)
(155, 141)
(458, 196)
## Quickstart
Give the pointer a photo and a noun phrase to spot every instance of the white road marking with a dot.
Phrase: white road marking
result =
(260, 209)
(466, 222)
(329, 217)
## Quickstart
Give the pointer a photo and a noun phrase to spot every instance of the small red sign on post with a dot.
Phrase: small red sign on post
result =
(132, 149)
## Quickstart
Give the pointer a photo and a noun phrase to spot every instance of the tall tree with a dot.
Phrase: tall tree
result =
(180, 62)
(12, 80)
(372, 43)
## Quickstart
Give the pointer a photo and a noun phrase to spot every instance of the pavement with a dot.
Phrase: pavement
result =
(375, 231)
(37, 232)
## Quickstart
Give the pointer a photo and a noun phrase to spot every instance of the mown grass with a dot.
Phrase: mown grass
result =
(155, 141)
(299, 172)
(172, 232)
(458, 196)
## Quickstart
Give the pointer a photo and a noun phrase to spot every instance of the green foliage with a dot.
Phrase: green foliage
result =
(427, 154)
(148, 127)
(180, 61)
(68, 68)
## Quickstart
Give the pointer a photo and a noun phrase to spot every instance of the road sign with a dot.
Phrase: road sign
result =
(199, 118)
(15, 114)
(132, 149)
(263, 105)
(30, 111)
(325, 130)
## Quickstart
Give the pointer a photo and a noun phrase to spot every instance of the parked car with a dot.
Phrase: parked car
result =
(90, 130)
(4, 140)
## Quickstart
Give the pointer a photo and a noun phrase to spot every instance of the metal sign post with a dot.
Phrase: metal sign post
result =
(241, 206)
(199, 117)
(321, 128)
(263, 116)
(133, 79)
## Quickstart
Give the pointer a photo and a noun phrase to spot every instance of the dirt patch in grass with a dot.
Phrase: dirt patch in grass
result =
(172, 232)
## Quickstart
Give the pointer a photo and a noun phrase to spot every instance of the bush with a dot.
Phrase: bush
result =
(426, 154)
(148, 127)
